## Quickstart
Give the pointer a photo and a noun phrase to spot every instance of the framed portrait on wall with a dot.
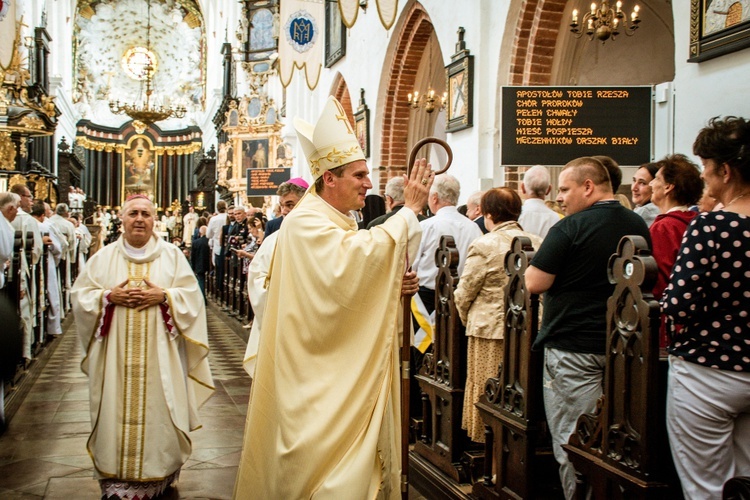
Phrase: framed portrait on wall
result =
(362, 128)
(335, 33)
(717, 27)
(254, 153)
(460, 82)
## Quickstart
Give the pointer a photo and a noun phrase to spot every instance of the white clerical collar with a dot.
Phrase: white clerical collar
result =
(133, 251)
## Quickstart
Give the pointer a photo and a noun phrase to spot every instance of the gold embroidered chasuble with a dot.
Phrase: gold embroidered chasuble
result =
(148, 371)
(323, 418)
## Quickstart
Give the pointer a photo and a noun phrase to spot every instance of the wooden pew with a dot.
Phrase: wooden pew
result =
(622, 450)
(13, 286)
(237, 288)
(40, 330)
(512, 406)
(224, 292)
(438, 465)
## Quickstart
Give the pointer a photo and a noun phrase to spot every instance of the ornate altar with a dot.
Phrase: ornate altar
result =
(253, 141)
(120, 162)
(26, 108)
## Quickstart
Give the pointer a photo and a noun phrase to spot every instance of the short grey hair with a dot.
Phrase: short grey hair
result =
(536, 180)
(8, 198)
(289, 187)
(61, 209)
(475, 199)
(125, 206)
(395, 189)
(447, 188)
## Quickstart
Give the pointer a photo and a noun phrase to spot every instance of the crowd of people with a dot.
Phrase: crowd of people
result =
(325, 279)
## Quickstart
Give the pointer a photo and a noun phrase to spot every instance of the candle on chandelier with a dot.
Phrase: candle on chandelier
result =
(634, 15)
(593, 9)
(575, 16)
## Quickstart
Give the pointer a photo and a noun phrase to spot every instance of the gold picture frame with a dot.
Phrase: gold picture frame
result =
(717, 29)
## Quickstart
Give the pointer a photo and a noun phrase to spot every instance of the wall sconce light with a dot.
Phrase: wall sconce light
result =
(428, 101)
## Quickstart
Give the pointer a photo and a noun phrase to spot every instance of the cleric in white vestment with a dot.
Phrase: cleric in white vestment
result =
(323, 418)
(142, 322)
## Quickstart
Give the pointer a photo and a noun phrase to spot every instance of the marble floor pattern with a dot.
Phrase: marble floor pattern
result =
(43, 451)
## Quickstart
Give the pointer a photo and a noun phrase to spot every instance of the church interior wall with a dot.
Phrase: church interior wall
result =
(686, 94)
(703, 90)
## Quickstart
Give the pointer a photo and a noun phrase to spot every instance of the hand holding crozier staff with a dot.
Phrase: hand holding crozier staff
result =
(420, 177)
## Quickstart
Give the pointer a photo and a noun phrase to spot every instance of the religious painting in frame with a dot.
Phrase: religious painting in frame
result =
(335, 33)
(362, 128)
(254, 153)
(717, 27)
(139, 174)
(460, 83)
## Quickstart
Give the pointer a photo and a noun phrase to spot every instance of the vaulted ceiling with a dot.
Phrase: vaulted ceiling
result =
(106, 30)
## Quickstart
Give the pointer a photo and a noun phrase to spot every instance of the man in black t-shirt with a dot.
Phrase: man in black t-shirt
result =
(570, 268)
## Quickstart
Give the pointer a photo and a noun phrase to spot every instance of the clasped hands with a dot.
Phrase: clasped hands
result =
(136, 298)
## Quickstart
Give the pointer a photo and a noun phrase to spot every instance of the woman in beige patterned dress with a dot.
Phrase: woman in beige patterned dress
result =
(479, 297)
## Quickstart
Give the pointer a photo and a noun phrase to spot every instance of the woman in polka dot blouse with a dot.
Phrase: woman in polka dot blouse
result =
(708, 402)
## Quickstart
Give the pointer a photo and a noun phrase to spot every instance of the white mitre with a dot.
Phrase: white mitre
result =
(331, 142)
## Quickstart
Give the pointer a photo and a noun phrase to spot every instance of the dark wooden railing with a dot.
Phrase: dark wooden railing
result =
(438, 464)
(622, 451)
(517, 441)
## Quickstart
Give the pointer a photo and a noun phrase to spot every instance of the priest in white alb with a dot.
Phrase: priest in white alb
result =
(142, 323)
(324, 412)
(188, 226)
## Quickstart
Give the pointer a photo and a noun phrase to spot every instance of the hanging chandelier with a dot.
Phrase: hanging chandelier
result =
(604, 22)
(144, 113)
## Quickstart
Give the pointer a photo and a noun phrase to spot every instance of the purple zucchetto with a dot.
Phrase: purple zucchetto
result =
(299, 181)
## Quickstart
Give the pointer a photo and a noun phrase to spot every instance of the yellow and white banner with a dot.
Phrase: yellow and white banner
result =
(349, 10)
(387, 10)
(426, 321)
(7, 32)
(302, 40)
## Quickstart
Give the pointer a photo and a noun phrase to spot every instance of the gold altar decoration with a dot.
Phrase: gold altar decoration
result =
(253, 140)
(7, 152)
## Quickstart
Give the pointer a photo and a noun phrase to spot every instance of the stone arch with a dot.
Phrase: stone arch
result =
(534, 43)
(340, 90)
(407, 51)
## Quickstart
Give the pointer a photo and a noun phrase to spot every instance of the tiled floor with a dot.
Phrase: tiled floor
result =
(43, 452)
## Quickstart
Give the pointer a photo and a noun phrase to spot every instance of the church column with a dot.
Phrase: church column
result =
(108, 178)
(170, 179)
(163, 195)
(87, 174)
(117, 177)
(187, 176)
(99, 183)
